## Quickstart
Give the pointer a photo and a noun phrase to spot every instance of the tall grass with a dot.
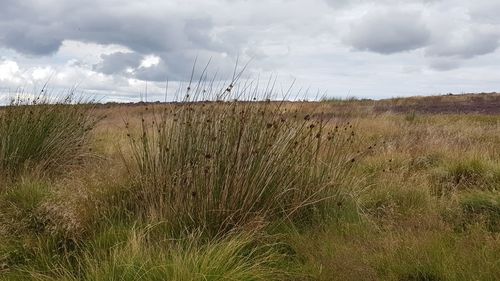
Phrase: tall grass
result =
(220, 165)
(43, 137)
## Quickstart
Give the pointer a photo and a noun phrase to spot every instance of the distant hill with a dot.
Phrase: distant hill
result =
(484, 103)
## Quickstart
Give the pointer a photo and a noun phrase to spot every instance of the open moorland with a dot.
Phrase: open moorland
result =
(399, 189)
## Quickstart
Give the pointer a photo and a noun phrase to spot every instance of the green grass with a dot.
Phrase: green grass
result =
(481, 206)
(41, 138)
(140, 257)
(468, 174)
(355, 251)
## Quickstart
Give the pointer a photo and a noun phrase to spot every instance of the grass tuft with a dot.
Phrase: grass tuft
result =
(218, 166)
(482, 206)
(42, 138)
(235, 257)
(468, 174)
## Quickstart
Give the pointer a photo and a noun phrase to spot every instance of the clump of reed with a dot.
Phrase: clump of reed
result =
(43, 136)
(221, 165)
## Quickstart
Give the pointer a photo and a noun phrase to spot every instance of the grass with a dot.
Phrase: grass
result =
(482, 206)
(357, 251)
(236, 257)
(217, 166)
(244, 190)
(43, 138)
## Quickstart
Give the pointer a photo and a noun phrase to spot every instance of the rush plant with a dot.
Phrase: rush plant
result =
(226, 164)
(43, 137)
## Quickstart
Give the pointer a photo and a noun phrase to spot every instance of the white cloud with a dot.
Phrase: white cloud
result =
(41, 73)
(8, 70)
(150, 61)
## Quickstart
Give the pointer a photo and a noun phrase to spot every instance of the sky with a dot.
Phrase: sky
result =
(114, 50)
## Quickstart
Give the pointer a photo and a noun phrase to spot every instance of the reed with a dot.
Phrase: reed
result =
(221, 165)
(44, 137)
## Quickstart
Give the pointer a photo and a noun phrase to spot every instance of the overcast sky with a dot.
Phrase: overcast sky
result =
(363, 48)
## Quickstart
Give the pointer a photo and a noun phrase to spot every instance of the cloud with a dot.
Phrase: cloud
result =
(388, 32)
(29, 40)
(465, 43)
(115, 46)
(8, 70)
(42, 27)
(485, 11)
(444, 64)
(342, 4)
(390, 27)
(118, 63)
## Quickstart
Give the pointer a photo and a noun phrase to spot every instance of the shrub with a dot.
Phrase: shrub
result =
(43, 138)
(219, 165)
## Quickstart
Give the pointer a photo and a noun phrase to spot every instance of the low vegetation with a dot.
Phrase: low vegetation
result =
(248, 190)
(42, 138)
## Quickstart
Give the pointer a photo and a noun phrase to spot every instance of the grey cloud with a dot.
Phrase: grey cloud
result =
(196, 31)
(341, 3)
(351, 3)
(159, 72)
(444, 64)
(118, 62)
(469, 30)
(175, 65)
(291, 36)
(31, 40)
(388, 32)
(465, 44)
(100, 22)
(40, 29)
(484, 11)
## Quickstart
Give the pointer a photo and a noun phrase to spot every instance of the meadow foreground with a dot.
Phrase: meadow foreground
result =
(403, 189)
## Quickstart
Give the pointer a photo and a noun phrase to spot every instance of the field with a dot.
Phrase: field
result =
(400, 189)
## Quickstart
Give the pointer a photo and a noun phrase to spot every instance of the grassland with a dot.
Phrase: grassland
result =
(401, 189)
